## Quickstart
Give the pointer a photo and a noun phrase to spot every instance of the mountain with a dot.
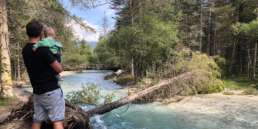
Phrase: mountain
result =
(81, 34)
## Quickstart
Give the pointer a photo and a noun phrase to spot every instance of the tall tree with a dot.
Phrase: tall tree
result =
(6, 80)
(105, 24)
(146, 34)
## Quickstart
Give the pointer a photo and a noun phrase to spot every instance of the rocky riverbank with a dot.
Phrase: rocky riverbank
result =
(20, 96)
(121, 78)
(222, 111)
(67, 73)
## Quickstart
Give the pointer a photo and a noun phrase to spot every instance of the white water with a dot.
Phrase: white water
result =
(199, 113)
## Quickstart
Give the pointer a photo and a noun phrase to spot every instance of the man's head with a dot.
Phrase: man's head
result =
(50, 32)
(34, 29)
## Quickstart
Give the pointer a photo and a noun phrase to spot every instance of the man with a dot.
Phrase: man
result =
(42, 68)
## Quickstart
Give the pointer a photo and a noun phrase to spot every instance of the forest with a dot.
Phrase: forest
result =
(150, 36)
(202, 46)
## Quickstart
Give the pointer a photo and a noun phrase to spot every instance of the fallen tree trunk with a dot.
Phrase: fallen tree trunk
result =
(20, 118)
(137, 96)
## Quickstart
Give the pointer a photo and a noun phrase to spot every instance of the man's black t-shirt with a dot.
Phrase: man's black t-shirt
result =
(42, 75)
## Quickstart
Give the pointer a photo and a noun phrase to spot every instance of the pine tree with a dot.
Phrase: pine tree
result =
(6, 80)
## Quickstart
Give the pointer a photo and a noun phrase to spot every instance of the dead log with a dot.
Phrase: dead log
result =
(146, 92)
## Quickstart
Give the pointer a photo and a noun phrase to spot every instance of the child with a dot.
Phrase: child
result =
(50, 41)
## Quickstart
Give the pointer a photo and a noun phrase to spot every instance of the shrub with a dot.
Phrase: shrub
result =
(124, 79)
(207, 72)
(89, 95)
(206, 76)
(222, 63)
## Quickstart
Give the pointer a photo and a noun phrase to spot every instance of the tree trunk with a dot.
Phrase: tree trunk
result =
(249, 63)
(132, 68)
(209, 33)
(254, 62)
(215, 44)
(6, 80)
(132, 24)
(201, 28)
(18, 63)
(233, 58)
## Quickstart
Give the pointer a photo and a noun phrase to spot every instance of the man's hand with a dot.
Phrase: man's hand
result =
(57, 66)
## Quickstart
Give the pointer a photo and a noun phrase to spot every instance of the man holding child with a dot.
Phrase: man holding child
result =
(42, 60)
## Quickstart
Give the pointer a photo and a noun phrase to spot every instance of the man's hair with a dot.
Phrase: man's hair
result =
(34, 29)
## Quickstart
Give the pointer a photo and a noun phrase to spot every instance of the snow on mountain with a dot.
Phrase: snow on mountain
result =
(82, 34)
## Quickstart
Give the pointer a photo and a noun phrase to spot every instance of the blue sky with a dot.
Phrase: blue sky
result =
(92, 17)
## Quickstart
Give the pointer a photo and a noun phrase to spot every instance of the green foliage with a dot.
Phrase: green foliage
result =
(202, 61)
(104, 54)
(81, 54)
(51, 13)
(149, 40)
(89, 95)
(238, 83)
(241, 84)
(7, 102)
(205, 64)
(222, 63)
(4, 101)
(208, 78)
(153, 40)
(109, 98)
(203, 76)
(124, 79)
(249, 29)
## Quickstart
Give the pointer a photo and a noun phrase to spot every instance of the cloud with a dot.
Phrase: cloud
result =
(106, 8)
(83, 34)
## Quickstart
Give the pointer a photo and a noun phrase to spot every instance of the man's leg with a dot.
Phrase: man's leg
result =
(39, 112)
(58, 125)
(35, 125)
(55, 104)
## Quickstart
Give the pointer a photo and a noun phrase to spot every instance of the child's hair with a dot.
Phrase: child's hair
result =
(49, 32)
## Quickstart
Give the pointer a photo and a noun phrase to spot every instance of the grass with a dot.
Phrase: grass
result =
(4, 101)
(248, 87)
(7, 103)
(239, 83)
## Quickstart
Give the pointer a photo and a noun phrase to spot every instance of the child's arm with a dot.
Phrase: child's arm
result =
(41, 43)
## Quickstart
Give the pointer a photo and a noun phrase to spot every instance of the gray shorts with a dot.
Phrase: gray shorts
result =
(49, 106)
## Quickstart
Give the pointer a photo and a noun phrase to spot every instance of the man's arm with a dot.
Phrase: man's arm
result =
(57, 66)
(46, 55)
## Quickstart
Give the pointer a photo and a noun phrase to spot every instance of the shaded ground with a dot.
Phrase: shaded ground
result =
(6, 105)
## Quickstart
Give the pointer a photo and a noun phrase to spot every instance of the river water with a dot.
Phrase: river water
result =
(156, 115)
